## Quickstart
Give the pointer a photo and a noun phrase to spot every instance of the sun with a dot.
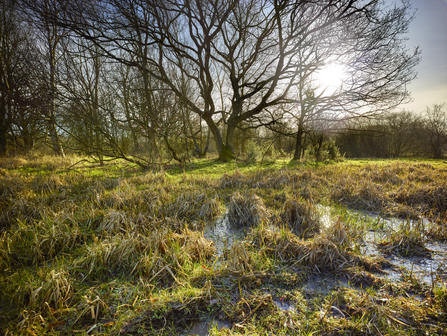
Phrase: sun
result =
(330, 77)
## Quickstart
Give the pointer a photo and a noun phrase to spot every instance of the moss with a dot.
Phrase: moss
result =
(226, 155)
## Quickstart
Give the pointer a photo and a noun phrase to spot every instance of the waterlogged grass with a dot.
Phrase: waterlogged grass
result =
(113, 249)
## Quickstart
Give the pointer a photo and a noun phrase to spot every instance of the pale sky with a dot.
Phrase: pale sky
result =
(429, 31)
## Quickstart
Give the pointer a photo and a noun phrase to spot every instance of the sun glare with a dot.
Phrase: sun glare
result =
(331, 76)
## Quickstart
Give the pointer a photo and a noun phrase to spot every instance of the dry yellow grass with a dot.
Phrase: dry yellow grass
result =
(52, 289)
(230, 181)
(319, 252)
(246, 210)
(238, 258)
(397, 189)
(301, 217)
(84, 249)
(196, 206)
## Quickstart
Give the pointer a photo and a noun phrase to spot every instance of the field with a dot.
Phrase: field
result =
(353, 248)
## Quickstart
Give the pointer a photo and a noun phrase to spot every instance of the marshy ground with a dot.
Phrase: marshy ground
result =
(354, 248)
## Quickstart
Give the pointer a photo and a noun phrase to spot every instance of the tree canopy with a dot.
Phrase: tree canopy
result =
(217, 65)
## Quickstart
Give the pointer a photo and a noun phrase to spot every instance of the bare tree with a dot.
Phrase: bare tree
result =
(10, 41)
(20, 122)
(263, 50)
(437, 128)
(45, 16)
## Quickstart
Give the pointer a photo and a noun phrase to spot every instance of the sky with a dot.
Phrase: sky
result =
(428, 30)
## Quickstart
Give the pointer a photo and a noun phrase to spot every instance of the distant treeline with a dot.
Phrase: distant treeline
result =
(397, 134)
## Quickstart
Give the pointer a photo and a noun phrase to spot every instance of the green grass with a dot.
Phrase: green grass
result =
(115, 249)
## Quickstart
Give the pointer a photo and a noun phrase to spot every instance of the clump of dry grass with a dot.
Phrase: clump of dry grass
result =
(438, 229)
(196, 206)
(407, 240)
(337, 233)
(427, 197)
(5, 261)
(402, 211)
(112, 254)
(149, 178)
(54, 237)
(320, 252)
(12, 182)
(359, 194)
(281, 243)
(195, 245)
(272, 179)
(13, 162)
(23, 209)
(109, 183)
(398, 189)
(230, 181)
(383, 174)
(117, 199)
(32, 243)
(91, 305)
(53, 288)
(115, 221)
(130, 199)
(165, 256)
(210, 209)
(246, 210)
(301, 216)
(37, 160)
(156, 267)
(238, 258)
(47, 183)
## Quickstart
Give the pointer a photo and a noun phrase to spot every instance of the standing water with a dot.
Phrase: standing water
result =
(223, 234)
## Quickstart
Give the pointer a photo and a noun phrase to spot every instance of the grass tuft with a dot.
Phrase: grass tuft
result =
(301, 217)
(407, 240)
(246, 210)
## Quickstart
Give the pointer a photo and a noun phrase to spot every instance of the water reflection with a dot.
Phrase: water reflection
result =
(202, 328)
(429, 269)
(224, 234)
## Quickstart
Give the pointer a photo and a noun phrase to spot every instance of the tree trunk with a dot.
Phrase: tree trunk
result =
(98, 140)
(230, 137)
(173, 152)
(299, 140)
(205, 150)
(57, 148)
(227, 152)
(3, 137)
(216, 133)
(298, 145)
(52, 42)
(318, 147)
